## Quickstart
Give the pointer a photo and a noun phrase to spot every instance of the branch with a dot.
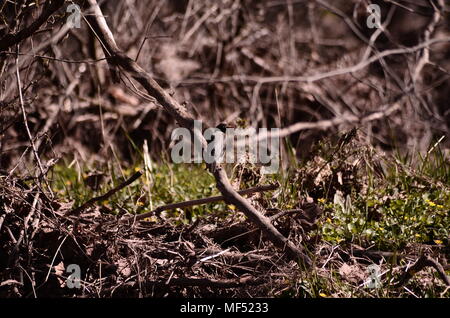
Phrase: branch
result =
(385, 111)
(320, 76)
(11, 39)
(205, 282)
(105, 196)
(185, 204)
(423, 262)
(425, 58)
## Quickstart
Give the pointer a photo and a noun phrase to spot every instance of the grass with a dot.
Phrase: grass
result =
(384, 202)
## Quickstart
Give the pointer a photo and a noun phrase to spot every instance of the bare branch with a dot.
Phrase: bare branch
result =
(105, 196)
(425, 58)
(11, 39)
(185, 204)
(423, 262)
(320, 76)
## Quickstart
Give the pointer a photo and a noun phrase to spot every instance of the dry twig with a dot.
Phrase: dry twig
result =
(105, 196)
(423, 262)
(185, 204)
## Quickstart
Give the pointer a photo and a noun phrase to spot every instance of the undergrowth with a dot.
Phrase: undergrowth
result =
(371, 200)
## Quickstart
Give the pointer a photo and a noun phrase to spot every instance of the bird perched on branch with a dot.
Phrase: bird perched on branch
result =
(240, 161)
(220, 142)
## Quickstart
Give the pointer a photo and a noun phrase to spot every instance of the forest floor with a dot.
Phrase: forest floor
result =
(377, 226)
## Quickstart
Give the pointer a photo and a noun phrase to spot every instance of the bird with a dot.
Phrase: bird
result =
(243, 167)
(311, 212)
(220, 142)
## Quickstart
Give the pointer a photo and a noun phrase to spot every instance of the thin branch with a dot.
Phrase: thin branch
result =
(214, 283)
(11, 39)
(425, 58)
(320, 76)
(105, 196)
(24, 114)
(423, 262)
(384, 111)
(51, 58)
(186, 204)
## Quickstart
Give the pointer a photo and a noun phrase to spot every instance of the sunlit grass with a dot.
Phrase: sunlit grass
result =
(390, 207)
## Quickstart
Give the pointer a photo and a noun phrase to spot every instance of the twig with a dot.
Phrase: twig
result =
(25, 120)
(185, 204)
(320, 76)
(384, 111)
(283, 213)
(204, 259)
(27, 128)
(105, 196)
(238, 257)
(54, 258)
(425, 58)
(422, 262)
(11, 39)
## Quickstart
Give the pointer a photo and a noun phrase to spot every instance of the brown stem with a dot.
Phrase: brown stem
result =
(205, 282)
(11, 39)
(105, 196)
(422, 262)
